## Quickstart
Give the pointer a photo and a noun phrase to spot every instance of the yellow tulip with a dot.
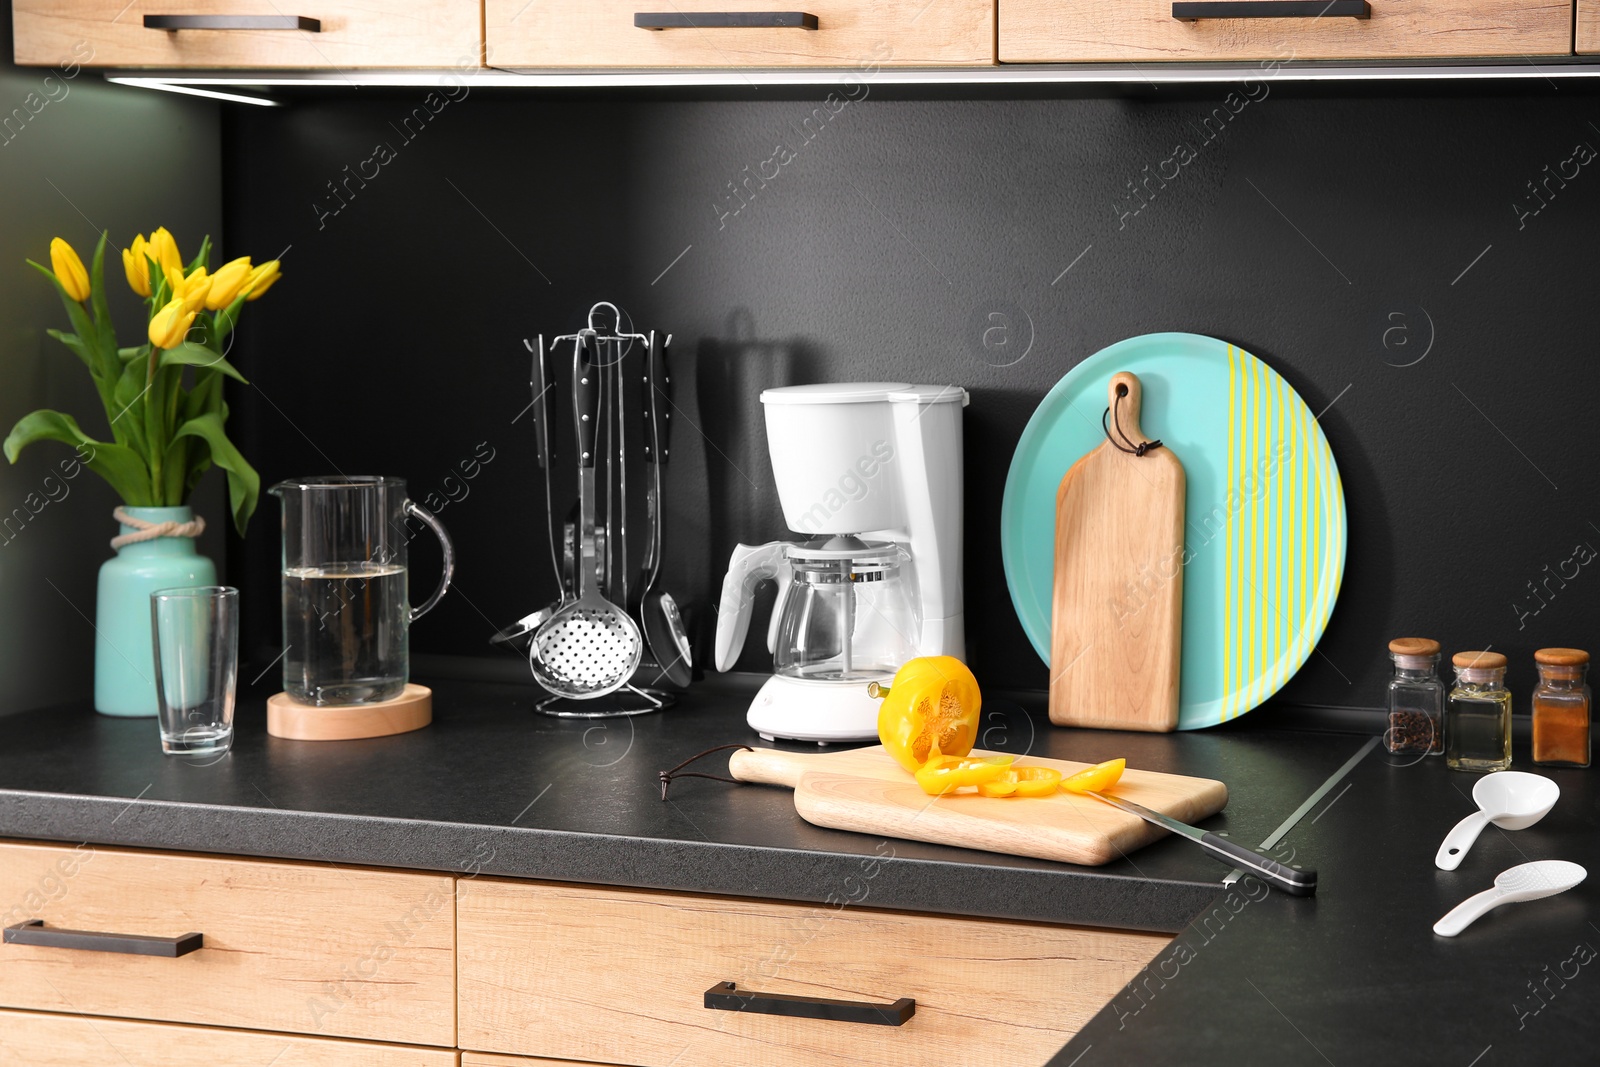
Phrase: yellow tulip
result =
(69, 270)
(170, 325)
(193, 290)
(261, 279)
(227, 283)
(164, 250)
(136, 264)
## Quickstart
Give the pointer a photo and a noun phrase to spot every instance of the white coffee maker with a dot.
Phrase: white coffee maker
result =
(869, 474)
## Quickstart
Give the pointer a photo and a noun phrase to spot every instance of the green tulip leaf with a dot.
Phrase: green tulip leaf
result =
(189, 354)
(244, 484)
(75, 343)
(119, 465)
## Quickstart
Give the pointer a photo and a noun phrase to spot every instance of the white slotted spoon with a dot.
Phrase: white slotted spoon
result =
(589, 647)
(1526, 881)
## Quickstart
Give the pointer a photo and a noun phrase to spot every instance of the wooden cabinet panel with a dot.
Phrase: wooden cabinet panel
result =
(620, 976)
(1057, 31)
(489, 1059)
(1587, 35)
(354, 34)
(850, 33)
(296, 947)
(35, 1040)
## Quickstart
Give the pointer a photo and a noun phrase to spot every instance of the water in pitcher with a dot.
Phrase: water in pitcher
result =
(345, 626)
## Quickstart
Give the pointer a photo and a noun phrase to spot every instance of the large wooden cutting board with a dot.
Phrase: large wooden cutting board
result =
(865, 790)
(1117, 609)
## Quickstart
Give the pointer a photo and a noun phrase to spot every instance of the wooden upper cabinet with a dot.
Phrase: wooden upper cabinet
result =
(1089, 31)
(863, 34)
(349, 34)
(1587, 36)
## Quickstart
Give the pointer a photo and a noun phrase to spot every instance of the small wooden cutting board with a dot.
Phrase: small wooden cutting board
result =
(1117, 609)
(865, 790)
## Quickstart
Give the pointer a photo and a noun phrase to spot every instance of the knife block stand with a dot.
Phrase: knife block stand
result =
(411, 710)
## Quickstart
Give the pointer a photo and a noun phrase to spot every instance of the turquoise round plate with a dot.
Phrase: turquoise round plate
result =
(1264, 513)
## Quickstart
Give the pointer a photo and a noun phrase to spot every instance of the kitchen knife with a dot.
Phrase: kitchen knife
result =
(1299, 883)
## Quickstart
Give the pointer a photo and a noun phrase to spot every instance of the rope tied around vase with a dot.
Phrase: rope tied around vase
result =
(149, 531)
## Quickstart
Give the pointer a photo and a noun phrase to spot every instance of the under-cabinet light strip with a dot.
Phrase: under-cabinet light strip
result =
(1073, 74)
(194, 90)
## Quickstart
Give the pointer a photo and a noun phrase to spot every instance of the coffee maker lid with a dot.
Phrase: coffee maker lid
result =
(833, 393)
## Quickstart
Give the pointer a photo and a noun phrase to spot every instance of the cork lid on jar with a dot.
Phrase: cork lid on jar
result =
(1479, 661)
(1561, 657)
(1414, 646)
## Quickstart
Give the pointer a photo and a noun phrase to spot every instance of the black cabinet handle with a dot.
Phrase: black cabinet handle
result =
(34, 932)
(724, 20)
(723, 997)
(232, 22)
(1272, 9)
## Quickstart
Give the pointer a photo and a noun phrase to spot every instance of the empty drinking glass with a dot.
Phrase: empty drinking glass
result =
(196, 638)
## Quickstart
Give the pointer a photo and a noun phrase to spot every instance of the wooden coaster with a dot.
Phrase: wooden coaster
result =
(411, 710)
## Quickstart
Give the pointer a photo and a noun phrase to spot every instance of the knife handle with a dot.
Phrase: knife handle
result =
(1302, 883)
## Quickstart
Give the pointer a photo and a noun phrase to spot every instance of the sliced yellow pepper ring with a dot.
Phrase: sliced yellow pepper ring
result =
(1023, 782)
(1096, 779)
(946, 774)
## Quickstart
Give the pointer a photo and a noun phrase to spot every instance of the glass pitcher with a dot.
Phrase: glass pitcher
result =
(346, 607)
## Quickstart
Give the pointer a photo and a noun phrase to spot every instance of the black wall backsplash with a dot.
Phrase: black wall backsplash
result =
(1419, 267)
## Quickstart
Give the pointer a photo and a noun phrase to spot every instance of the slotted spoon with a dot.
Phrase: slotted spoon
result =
(589, 647)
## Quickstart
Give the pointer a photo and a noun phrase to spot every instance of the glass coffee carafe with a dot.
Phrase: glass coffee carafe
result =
(346, 607)
(847, 613)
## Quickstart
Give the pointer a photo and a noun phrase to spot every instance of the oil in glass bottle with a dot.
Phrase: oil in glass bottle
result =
(1477, 716)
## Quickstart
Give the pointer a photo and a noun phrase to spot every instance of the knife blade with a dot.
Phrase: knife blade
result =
(1299, 883)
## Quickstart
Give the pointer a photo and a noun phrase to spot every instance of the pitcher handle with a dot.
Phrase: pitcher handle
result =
(417, 511)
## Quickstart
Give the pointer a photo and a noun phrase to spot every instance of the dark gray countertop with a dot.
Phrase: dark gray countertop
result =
(1356, 975)
(493, 787)
(1352, 974)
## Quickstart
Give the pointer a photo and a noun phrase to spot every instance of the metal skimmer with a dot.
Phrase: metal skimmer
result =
(590, 647)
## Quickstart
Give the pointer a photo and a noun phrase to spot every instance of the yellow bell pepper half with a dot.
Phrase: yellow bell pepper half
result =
(930, 709)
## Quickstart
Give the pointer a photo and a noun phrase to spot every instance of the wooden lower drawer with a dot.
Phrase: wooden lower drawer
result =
(288, 946)
(859, 34)
(620, 976)
(1057, 31)
(29, 1039)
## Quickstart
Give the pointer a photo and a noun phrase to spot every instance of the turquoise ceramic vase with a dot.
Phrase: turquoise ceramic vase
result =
(124, 667)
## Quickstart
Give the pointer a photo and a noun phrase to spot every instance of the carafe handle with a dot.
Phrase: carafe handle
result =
(417, 511)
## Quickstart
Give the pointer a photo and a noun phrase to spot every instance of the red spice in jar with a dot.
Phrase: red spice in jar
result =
(1561, 708)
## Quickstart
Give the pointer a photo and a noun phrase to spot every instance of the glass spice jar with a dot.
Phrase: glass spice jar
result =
(1477, 715)
(1561, 708)
(1416, 698)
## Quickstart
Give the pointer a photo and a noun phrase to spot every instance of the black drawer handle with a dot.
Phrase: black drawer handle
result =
(232, 22)
(33, 932)
(1272, 9)
(724, 20)
(723, 997)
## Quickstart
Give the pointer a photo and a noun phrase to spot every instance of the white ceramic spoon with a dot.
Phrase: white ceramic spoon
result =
(1512, 800)
(1526, 881)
